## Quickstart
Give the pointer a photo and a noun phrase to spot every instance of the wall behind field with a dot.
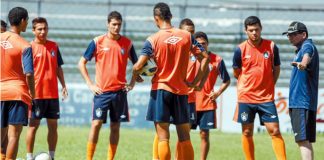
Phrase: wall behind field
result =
(76, 110)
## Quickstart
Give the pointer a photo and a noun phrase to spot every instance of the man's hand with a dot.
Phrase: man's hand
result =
(213, 95)
(298, 65)
(64, 93)
(128, 87)
(95, 90)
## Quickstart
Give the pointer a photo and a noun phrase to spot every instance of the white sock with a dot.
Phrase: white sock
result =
(52, 154)
(29, 156)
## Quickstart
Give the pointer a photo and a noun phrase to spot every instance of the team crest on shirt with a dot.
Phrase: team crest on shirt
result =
(244, 116)
(266, 55)
(122, 51)
(98, 112)
(193, 58)
(210, 67)
(6, 45)
(173, 40)
(53, 53)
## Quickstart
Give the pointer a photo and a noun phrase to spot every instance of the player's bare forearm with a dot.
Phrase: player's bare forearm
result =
(84, 71)
(276, 73)
(223, 87)
(204, 78)
(202, 69)
(303, 64)
(60, 76)
(237, 72)
(139, 64)
(31, 84)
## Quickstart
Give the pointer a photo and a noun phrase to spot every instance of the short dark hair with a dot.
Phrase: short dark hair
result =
(252, 20)
(3, 24)
(114, 15)
(39, 20)
(201, 35)
(16, 15)
(162, 10)
(187, 22)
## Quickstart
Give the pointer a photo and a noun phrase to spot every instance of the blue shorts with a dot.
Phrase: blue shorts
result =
(115, 102)
(192, 113)
(13, 113)
(165, 106)
(205, 120)
(303, 122)
(267, 112)
(45, 108)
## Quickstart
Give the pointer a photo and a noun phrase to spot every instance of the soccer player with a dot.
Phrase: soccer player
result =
(206, 98)
(111, 52)
(256, 65)
(17, 81)
(187, 25)
(47, 68)
(303, 89)
(3, 26)
(169, 48)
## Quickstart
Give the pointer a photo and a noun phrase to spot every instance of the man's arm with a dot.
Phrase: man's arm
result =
(276, 73)
(140, 64)
(28, 66)
(226, 81)
(84, 72)
(303, 64)
(60, 76)
(237, 62)
(276, 63)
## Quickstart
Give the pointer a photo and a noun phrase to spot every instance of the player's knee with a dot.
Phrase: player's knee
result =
(114, 127)
(247, 133)
(204, 135)
(275, 132)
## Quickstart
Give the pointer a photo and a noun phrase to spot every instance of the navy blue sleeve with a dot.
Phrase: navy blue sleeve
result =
(195, 43)
(88, 54)
(59, 58)
(27, 59)
(132, 55)
(147, 50)
(276, 56)
(223, 72)
(237, 58)
(308, 48)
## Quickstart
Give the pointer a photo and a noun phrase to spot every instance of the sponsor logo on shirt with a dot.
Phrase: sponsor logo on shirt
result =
(247, 56)
(105, 49)
(38, 54)
(173, 40)
(6, 45)
(193, 58)
(210, 67)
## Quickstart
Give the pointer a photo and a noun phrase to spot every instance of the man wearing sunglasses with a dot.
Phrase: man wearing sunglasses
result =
(303, 90)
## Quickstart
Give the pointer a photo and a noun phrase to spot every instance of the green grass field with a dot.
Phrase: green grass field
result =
(136, 144)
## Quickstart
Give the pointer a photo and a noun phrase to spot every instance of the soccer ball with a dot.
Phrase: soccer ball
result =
(149, 69)
(43, 156)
